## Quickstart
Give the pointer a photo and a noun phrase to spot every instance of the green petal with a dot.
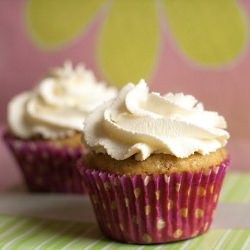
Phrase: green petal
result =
(209, 32)
(129, 41)
(53, 23)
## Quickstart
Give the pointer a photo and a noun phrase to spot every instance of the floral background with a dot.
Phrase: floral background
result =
(196, 47)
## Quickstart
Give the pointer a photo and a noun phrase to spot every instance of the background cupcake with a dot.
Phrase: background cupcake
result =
(156, 165)
(44, 127)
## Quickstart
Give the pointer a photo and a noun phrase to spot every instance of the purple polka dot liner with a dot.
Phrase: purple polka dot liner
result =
(45, 167)
(155, 208)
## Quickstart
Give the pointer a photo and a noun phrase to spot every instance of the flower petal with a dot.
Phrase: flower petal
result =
(129, 41)
(209, 32)
(55, 23)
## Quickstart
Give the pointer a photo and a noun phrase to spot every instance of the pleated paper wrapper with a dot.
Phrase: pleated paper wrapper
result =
(45, 167)
(154, 208)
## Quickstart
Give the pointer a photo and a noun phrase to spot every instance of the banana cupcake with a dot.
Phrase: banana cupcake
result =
(155, 165)
(44, 124)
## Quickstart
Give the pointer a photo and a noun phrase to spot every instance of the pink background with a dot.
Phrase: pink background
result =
(225, 89)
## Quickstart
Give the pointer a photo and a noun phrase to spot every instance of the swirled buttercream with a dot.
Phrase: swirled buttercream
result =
(58, 105)
(140, 123)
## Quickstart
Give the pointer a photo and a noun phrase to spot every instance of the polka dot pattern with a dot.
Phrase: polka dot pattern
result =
(160, 224)
(126, 202)
(201, 191)
(157, 194)
(215, 198)
(146, 180)
(147, 239)
(195, 233)
(169, 204)
(178, 233)
(137, 192)
(199, 213)
(106, 186)
(47, 168)
(184, 212)
(154, 209)
(147, 209)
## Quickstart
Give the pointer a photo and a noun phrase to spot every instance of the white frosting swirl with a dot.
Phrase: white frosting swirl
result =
(141, 123)
(58, 105)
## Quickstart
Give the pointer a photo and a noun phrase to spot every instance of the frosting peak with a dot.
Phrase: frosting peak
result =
(59, 104)
(141, 123)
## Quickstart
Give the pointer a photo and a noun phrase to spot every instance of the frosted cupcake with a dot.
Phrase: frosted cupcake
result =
(44, 127)
(155, 166)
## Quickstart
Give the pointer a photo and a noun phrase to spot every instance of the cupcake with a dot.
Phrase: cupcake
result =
(44, 124)
(155, 165)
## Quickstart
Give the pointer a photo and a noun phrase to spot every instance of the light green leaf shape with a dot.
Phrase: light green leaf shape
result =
(210, 32)
(54, 23)
(129, 41)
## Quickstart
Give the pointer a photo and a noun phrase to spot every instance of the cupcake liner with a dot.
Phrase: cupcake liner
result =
(45, 167)
(154, 208)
